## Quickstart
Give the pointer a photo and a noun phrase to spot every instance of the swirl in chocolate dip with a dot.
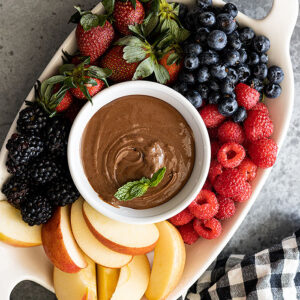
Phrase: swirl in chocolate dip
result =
(133, 137)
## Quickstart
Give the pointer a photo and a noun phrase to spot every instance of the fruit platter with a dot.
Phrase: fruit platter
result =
(142, 147)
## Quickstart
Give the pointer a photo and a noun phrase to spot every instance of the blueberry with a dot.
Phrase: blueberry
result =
(272, 90)
(234, 43)
(243, 55)
(260, 71)
(217, 40)
(264, 58)
(227, 107)
(203, 90)
(207, 19)
(246, 35)
(253, 58)
(209, 57)
(231, 57)
(214, 98)
(240, 115)
(227, 86)
(231, 95)
(191, 62)
(256, 84)
(201, 35)
(183, 9)
(234, 35)
(243, 72)
(226, 23)
(218, 71)
(231, 9)
(194, 97)
(214, 85)
(187, 77)
(232, 75)
(261, 44)
(192, 48)
(203, 74)
(204, 4)
(180, 87)
(275, 74)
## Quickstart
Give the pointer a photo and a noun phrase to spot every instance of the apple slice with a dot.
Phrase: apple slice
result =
(90, 245)
(107, 280)
(168, 262)
(133, 280)
(76, 286)
(121, 237)
(14, 231)
(59, 243)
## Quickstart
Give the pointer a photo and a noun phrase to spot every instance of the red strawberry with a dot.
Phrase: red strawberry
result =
(258, 125)
(65, 102)
(121, 70)
(246, 96)
(211, 115)
(125, 14)
(92, 90)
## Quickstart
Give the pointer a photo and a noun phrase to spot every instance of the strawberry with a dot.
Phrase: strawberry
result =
(72, 112)
(246, 96)
(91, 89)
(65, 102)
(121, 70)
(127, 13)
(94, 33)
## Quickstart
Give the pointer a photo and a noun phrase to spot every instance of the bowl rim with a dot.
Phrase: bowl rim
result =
(76, 167)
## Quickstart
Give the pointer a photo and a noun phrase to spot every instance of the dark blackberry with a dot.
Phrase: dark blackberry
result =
(21, 148)
(36, 209)
(32, 120)
(13, 168)
(62, 192)
(15, 190)
(56, 136)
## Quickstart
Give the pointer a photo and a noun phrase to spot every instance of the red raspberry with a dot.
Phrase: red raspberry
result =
(248, 168)
(262, 107)
(205, 206)
(207, 185)
(230, 183)
(231, 132)
(263, 152)
(231, 155)
(214, 147)
(208, 229)
(226, 208)
(215, 170)
(211, 115)
(182, 218)
(188, 233)
(245, 195)
(213, 132)
(258, 125)
(246, 96)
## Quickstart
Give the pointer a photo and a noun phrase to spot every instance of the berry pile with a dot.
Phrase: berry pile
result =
(221, 54)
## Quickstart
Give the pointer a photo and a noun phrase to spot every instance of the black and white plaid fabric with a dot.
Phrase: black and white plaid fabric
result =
(270, 274)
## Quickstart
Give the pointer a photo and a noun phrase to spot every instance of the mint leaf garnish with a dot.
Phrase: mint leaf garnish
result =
(138, 188)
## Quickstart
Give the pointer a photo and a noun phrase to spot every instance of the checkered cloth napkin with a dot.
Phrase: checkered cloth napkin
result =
(270, 274)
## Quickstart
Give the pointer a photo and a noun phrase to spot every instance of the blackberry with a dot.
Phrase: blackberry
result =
(32, 120)
(56, 136)
(43, 171)
(21, 148)
(13, 168)
(15, 190)
(62, 192)
(36, 209)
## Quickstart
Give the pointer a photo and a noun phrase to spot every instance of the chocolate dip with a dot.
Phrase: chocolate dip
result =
(133, 137)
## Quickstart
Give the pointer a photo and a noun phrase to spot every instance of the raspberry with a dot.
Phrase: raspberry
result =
(226, 208)
(214, 147)
(213, 132)
(263, 152)
(248, 168)
(262, 107)
(188, 233)
(182, 218)
(211, 115)
(208, 229)
(207, 185)
(245, 195)
(231, 132)
(258, 125)
(231, 155)
(205, 206)
(230, 183)
(246, 96)
(215, 170)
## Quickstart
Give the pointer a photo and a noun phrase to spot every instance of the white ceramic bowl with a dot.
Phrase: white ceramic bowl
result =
(190, 189)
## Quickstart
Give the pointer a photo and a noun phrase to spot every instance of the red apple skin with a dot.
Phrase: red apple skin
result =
(116, 247)
(54, 246)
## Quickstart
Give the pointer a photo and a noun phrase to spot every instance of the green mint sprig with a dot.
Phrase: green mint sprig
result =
(138, 188)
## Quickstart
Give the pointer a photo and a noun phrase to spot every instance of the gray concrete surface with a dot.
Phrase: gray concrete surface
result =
(30, 33)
